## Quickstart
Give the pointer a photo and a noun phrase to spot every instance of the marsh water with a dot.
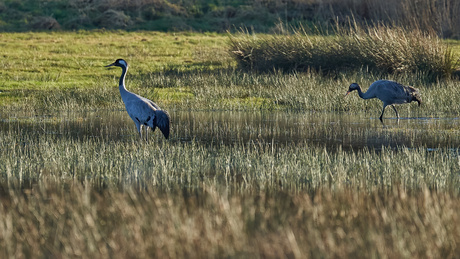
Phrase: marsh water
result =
(347, 131)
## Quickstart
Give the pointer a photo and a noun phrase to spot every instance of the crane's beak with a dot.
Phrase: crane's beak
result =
(113, 64)
(347, 93)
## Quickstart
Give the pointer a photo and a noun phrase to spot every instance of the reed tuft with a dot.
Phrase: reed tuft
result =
(380, 48)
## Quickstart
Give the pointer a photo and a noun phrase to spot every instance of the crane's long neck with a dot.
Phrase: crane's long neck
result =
(121, 84)
(367, 95)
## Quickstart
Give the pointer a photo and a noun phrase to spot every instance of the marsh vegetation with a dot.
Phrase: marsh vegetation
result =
(229, 184)
(269, 164)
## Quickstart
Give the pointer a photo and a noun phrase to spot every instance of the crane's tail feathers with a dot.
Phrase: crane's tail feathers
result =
(162, 122)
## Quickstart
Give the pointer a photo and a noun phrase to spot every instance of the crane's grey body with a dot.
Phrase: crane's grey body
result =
(142, 111)
(389, 92)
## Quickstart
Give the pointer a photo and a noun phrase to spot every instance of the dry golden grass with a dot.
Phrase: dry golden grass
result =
(70, 219)
(382, 49)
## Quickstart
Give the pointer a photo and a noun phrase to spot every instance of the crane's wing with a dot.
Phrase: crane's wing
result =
(154, 105)
(162, 122)
(391, 92)
(404, 93)
(392, 88)
(142, 109)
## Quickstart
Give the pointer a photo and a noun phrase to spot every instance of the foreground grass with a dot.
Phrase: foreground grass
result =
(252, 165)
(96, 196)
(59, 218)
(67, 195)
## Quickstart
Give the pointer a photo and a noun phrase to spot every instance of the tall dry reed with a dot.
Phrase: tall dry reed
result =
(65, 219)
(438, 15)
(380, 48)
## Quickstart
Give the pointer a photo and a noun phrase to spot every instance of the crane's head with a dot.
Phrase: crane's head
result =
(119, 63)
(416, 97)
(352, 87)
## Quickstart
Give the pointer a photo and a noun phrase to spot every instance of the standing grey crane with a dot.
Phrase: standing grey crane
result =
(141, 110)
(389, 92)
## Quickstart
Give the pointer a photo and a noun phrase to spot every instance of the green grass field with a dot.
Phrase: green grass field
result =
(37, 62)
(179, 71)
(106, 194)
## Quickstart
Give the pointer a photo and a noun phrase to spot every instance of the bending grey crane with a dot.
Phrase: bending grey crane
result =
(389, 92)
(141, 110)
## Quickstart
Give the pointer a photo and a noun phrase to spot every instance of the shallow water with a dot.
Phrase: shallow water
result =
(348, 131)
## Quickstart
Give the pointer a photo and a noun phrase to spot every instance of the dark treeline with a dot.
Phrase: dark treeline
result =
(222, 15)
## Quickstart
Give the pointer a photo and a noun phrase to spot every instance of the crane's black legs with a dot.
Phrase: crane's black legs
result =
(383, 110)
(146, 134)
(394, 108)
(139, 127)
(145, 129)
(381, 115)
